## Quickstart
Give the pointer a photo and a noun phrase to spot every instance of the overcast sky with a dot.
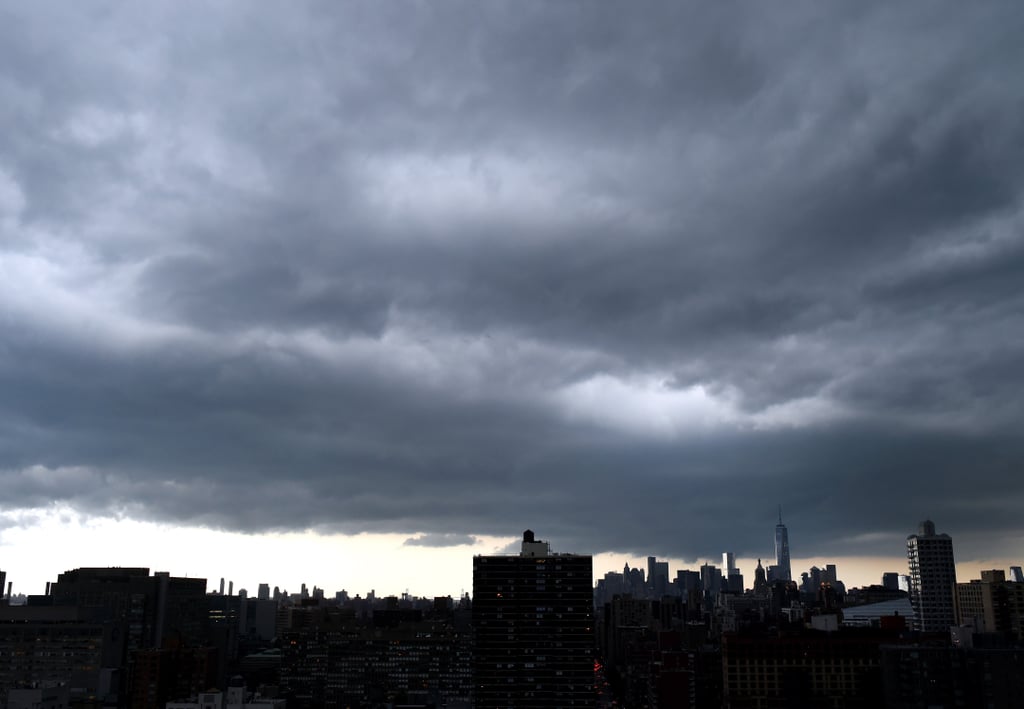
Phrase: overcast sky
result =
(630, 275)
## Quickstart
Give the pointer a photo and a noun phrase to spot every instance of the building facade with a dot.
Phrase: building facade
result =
(533, 629)
(932, 579)
(992, 604)
(783, 568)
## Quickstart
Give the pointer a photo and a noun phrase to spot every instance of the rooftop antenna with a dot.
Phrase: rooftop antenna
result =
(780, 515)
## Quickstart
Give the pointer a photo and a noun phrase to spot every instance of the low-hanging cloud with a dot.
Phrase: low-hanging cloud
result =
(440, 540)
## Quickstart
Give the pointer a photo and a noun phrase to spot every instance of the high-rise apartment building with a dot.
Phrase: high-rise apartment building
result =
(783, 570)
(533, 628)
(932, 579)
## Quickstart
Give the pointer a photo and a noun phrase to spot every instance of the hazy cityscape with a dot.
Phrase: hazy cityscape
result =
(536, 631)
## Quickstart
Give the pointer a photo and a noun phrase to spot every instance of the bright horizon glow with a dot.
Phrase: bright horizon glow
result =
(49, 542)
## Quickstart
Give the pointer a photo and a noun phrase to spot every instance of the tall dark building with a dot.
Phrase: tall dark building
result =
(932, 579)
(533, 628)
(157, 609)
(783, 571)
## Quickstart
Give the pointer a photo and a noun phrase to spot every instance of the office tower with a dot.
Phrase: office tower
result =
(783, 572)
(689, 585)
(3, 582)
(891, 580)
(733, 580)
(154, 609)
(533, 626)
(729, 564)
(711, 579)
(1016, 576)
(657, 577)
(932, 579)
(633, 580)
(263, 592)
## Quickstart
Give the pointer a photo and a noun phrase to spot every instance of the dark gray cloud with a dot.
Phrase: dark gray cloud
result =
(629, 278)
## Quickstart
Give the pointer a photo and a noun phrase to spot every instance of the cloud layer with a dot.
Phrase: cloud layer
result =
(630, 278)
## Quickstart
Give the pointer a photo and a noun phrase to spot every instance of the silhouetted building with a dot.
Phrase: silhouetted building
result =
(633, 581)
(760, 580)
(157, 608)
(138, 612)
(533, 629)
(711, 579)
(932, 579)
(657, 577)
(783, 569)
(732, 579)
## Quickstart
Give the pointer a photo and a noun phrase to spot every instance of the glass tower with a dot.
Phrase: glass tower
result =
(782, 567)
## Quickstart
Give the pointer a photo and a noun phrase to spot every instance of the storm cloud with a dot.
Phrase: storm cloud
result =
(628, 276)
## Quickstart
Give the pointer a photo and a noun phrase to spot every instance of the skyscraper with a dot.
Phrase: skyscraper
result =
(533, 628)
(657, 577)
(932, 579)
(732, 577)
(783, 572)
(729, 563)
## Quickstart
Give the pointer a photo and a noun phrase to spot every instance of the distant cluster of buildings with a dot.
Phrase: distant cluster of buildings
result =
(914, 640)
(536, 633)
(705, 584)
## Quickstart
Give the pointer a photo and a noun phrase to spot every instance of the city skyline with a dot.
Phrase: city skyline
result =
(330, 284)
(392, 568)
(534, 634)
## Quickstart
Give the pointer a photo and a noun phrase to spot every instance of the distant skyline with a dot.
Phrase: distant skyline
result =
(387, 564)
(337, 276)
